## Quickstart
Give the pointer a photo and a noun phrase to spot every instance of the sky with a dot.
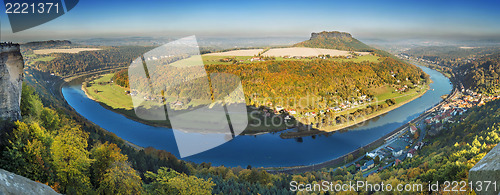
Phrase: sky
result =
(365, 19)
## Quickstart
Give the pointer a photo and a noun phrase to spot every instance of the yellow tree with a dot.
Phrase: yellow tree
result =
(120, 178)
(71, 160)
(169, 181)
(27, 151)
(104, 155)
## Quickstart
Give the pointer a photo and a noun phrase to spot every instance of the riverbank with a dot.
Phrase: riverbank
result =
(358, 153)
(289, 135)
(65, 80)
(113, 98)
(263, 150)
(337, 162)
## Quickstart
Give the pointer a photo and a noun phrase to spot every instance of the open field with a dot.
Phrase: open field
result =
(113, 95)
(468, 47)
(241, 52)
(358, 59)
(245, 56)
(292, 52)
(114, 98)
(212, 60)
(307, 52)
(72, 50)
(44, 59)
(216, 60)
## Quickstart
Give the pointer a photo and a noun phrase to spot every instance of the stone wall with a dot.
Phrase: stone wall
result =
(11, 79)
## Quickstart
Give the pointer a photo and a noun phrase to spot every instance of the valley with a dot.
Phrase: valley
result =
(292, 97)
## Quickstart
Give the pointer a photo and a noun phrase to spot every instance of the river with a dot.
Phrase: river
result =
(266, 150)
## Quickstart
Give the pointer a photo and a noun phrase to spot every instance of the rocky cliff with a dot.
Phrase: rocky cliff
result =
(11, 79)
(334, 40)
(332, 34)
(487, 169)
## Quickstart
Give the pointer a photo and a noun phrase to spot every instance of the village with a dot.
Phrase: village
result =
(407, 142)
(447, 112)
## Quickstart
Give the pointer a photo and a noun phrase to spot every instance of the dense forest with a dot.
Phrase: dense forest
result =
(482, 75)
(51, 147)
(47, 44)
(450, 56)
(121, 78)
(65, 64)
(477, 67)
(328, 80)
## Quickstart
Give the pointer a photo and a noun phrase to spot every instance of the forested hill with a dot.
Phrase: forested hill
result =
(335, 40)
(47, 44)
(66, 64)
(482, 75)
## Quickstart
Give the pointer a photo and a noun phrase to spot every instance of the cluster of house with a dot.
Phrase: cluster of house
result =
(351, 104)
(402, 89)
(355, 102)
(146, 98)
(149, 98)
(291, 111)
(226, 60)
(297, 57)
(393, 151)
(135, 93)
(395, 148)
(407, 56)
(413, 150)
(458, 106)
(157, 57)
(363, 99)
(256, 59)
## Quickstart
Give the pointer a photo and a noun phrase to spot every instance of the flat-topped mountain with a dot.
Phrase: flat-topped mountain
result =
(334, 40)
(332, 34)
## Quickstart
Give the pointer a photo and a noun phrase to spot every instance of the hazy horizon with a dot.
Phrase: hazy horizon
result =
(452, 20)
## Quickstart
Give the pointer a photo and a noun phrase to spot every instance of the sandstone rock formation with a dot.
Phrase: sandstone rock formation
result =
(11, 183)
(11, 79)
(485, 171)
(332, 34)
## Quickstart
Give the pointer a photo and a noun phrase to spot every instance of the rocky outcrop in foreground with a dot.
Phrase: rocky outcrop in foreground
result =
(11, 183)
(485, 172)
(11, 80)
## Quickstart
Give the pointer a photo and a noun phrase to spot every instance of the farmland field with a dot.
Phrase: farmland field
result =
(308, 52)
(241, 52)
(72, 50)
(292, 52)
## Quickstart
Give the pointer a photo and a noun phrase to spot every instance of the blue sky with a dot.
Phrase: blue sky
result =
(368, 19)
